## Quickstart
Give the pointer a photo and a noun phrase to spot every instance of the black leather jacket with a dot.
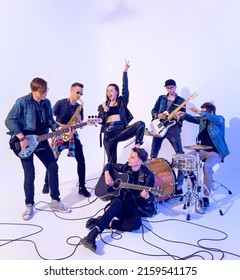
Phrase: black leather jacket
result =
(145, 178)
(122, 102)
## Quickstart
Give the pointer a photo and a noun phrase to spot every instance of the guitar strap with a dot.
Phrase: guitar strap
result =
(171, 107)
(47, 121)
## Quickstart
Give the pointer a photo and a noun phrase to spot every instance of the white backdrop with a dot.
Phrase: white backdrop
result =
(63, 41)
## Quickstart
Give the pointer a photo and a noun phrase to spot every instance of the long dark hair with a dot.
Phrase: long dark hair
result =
(116, 88)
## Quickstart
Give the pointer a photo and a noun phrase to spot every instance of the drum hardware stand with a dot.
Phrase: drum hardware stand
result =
(197, 192)
(220, 185)
(187, 195)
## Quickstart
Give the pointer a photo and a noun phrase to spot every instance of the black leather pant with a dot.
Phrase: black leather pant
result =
(129, 217)
(112, 138)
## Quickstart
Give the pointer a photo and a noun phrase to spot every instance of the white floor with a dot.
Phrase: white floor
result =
(166, 236)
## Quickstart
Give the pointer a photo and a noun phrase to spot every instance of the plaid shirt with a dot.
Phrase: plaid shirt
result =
(58, 145)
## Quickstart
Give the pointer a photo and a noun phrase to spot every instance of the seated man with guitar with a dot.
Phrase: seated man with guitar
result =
(129, 201)
(28, 122)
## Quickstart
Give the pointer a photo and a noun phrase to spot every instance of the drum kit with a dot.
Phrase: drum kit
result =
(190, 165)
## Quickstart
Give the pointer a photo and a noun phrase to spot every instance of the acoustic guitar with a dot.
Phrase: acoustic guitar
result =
(106, 192)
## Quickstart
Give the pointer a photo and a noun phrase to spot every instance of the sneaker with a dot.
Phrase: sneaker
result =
(28, 213)
(58, 206)
(84, 192)
(205, 203)
(45, 188)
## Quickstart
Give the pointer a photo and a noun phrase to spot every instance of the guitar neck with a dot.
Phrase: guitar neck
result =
(169, 117)
(59, 132)
(135, 187)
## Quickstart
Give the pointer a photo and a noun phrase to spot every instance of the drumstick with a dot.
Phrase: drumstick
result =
(189, 108)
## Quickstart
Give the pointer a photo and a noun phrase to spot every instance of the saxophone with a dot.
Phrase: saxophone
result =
(73, 121)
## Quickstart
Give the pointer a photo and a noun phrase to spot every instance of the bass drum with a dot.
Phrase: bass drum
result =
(164, 176)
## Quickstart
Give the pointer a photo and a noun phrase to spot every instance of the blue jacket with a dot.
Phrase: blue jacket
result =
(22, 116)
(216, 129)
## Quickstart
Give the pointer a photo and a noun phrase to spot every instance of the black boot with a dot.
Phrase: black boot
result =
(83, 191)
(89, 240)
(91, 223)
(45, 188)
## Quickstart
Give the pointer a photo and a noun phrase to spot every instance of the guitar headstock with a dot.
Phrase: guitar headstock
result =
(193, 95)
(158, 191)
(94, 120)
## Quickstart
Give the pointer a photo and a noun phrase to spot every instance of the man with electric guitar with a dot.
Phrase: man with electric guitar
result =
(128, 201)
(165, 124)
(31, 115)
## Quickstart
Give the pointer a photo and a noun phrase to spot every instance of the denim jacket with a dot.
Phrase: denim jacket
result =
(22, 116)
(216, 129)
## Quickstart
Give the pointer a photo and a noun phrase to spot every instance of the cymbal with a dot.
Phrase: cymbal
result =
(150, 133)
(198, 147)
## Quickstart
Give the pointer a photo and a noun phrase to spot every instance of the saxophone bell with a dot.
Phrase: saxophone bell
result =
(73, 121)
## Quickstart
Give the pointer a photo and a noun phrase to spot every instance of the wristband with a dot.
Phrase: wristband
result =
(22, 139)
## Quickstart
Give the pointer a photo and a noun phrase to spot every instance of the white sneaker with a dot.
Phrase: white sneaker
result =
(28, 213)
(58, 206)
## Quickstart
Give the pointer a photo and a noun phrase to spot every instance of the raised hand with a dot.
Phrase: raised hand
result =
(127, 65)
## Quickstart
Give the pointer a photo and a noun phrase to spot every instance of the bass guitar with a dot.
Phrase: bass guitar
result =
(106, 192)
(160, 127)
(34, 140)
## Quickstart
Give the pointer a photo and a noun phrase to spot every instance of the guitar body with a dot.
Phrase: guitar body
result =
(161, 127)
(27, 152)
(34, 140)
(105, 192)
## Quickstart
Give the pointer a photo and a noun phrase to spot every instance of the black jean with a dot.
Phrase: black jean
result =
(45, 155)
(129, 217)
(112, 138)
(81, 166)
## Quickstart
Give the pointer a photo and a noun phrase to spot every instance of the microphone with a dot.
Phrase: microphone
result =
(107, 105)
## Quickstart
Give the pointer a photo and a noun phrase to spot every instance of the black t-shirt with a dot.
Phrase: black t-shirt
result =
(205, 139)
(64, 110)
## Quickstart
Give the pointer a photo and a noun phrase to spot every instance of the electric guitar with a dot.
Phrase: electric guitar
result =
(161, 127)
(106, 192)
(34, 140)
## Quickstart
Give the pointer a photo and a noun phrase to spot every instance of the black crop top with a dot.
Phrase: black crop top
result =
(113, 110)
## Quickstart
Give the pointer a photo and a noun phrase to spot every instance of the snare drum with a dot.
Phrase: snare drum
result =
(164, 177)
(184, 162)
